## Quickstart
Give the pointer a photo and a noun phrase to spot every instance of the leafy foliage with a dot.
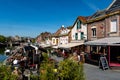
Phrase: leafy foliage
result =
(5, 73)
(2, 38)
(70, 70)
(67, 70)
(33, 77)
(47, 69)
(2, 50)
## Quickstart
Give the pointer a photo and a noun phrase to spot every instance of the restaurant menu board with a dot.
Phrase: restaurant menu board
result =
(103, 63)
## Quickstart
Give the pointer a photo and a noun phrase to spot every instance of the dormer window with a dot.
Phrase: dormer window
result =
(78, 24)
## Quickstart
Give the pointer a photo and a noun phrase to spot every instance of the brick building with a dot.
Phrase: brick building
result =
(104, 34)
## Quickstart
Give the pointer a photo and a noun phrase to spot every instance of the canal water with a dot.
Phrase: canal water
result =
(2, 56)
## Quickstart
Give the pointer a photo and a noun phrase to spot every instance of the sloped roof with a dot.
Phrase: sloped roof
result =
(97, 16)
(114, 8)
(82, 19)
(115, 5)
(70, 27)
(99, 13)
(66, 34)
(104, 41)
(57, 32)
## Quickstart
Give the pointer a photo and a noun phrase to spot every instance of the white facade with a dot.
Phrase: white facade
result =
(84, 29)
(64, 40)
(55, 41)
(65, 31)
(48, 42)
(81, 33)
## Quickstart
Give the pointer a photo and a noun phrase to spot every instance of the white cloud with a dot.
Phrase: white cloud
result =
(91, 5)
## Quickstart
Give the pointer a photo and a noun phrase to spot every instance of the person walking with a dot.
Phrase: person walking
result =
(78, 56)
(82, 58)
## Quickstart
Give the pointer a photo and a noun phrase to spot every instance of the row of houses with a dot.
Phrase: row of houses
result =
(66, 37)
(98, 34)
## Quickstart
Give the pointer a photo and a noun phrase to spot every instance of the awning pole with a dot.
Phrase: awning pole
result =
(97, 49)
(109, 55)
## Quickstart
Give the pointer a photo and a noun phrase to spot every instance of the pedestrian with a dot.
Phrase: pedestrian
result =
(82, 58)
(78, 58)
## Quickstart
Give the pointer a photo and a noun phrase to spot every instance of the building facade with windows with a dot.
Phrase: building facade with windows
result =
(104, 34)
(96, 26)
(79, 30)
(74, 36)
(62, 36)
(78, 35)
(55, 37)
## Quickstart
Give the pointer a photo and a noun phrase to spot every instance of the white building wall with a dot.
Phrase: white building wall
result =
(83, 29)
(74, 30)
(79, 34)
(54, 41)
(64, 40)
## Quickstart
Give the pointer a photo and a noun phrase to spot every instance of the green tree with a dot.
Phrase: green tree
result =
(2, 38)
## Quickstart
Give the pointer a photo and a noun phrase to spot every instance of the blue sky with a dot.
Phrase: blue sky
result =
(31, 17)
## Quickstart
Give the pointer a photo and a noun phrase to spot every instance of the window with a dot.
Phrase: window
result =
(113, 26)
(78, 24)
(53, 40)
(82, 35)
(76, 36)
(93, 32)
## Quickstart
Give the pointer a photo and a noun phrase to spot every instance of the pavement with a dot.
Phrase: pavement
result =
(94, 73)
